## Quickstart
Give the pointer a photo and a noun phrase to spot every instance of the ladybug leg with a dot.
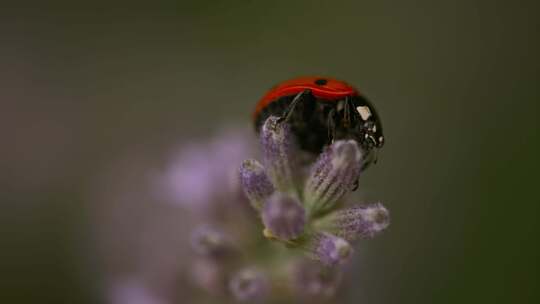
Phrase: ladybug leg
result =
(291, 109)
(331, 125)
(347, 113)
(355, 186)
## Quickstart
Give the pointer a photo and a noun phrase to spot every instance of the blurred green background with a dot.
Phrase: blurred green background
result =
(455, 82)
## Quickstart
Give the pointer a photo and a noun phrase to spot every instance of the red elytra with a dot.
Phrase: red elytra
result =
(321, 87)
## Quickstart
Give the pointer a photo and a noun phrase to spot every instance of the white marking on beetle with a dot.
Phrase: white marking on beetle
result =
(364, 111)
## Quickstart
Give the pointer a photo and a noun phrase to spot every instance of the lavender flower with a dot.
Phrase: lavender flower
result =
(256, 184)
(310, 221)
(283, 216)
(278, 148)
(357, 221)
(249, 285)
(333, 176)
(330, 249)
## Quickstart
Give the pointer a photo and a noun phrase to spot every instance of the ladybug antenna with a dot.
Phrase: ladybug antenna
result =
(331, 125)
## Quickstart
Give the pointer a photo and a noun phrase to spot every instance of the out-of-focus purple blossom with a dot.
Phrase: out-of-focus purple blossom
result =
(333, 176)
(358, 221)
(132, 291)
(278, 148)
(140, 234)
(210, 275)
(188, 178)
(255, 182)
(136, 235)
(312, 220)
(210, 241)
(283, 216)
(249, 285)
(314, 281)
(331, 250)
(205, 174)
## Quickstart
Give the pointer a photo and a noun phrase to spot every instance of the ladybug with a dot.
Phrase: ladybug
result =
(320, 110)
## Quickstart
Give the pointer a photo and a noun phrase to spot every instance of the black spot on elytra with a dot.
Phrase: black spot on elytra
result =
(321, 81)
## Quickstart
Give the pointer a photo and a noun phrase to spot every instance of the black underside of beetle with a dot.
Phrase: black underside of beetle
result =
(312, 119)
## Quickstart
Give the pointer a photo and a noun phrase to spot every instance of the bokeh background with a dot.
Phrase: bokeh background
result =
(87, 86)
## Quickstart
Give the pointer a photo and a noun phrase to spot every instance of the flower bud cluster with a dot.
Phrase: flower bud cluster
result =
(308, 212)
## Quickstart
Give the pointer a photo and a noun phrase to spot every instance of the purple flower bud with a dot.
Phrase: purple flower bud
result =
(209, 241)
(358, 221)
(334, 174)
(330, 249)
(256, 184)
(283, 216)
(249, 285)
(277, 142)
(313, 280)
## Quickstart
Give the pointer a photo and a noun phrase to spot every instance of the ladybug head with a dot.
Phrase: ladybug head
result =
(358, 120)
(371, 136)
(369, 139)
(368, 125)
(364, 127)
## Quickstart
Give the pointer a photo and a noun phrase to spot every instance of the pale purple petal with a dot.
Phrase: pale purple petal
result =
(283, 216)
(333, 176)
(330, 249)
(278, 147)
(255, 182)
(358, 221)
